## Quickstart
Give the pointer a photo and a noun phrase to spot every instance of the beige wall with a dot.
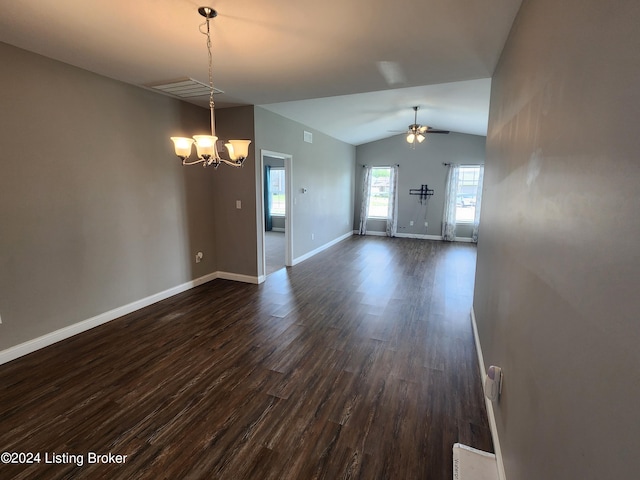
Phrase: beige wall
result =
(557, 278)
(95, 209)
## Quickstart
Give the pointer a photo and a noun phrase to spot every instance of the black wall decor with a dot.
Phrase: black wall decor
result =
(424, 191)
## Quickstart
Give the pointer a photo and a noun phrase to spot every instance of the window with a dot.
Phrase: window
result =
(466, 193)
(276, 188)
(379, 194)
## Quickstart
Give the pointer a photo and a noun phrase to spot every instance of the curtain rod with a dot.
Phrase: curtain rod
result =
(464, 164)
(396, 164)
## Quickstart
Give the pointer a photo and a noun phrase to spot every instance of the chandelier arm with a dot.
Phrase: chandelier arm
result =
(194, 162)
(232, 163)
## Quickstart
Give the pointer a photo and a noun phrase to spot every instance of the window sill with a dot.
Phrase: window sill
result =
(282, 215)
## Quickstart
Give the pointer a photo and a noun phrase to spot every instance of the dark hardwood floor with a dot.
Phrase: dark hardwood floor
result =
(357, 363)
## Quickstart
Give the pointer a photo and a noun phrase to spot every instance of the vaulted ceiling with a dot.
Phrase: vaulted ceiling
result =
(351, 69)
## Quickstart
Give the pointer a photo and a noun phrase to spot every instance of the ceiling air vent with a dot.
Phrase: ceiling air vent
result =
(184, 88)
(308, 137)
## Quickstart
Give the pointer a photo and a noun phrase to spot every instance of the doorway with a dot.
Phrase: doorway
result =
(276, 211)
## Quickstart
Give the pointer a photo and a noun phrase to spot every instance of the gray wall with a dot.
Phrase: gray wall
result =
(420, 166)
(557, 279)
(95, 209)
(326, 168)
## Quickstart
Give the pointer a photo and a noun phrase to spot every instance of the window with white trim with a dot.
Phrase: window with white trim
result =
(276, 189)
(468, 178)
(379, 193)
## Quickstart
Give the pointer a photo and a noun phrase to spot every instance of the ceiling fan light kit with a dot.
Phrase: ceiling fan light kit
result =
(207, 145)
(416, 132)
(413, 137)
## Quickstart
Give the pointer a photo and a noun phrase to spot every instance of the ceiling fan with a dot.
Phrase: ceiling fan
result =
(416, 132)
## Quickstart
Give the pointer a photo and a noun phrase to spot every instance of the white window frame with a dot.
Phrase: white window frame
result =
(477, 178)
(278, 214)
(375, 217)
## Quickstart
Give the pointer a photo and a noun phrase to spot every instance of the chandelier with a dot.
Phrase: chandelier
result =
(207, 145)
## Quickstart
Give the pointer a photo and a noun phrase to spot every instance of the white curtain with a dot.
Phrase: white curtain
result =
(364, 208)
(451, 193)
(476, 219)
(392, 218)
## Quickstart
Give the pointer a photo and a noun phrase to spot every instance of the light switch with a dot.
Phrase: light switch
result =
(238, 204)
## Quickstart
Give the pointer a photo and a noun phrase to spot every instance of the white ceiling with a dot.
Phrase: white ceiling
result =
(318, 63)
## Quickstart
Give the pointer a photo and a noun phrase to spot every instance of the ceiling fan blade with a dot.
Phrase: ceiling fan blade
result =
(436, 131)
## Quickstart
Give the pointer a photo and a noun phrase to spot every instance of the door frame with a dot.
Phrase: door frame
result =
(288, 217)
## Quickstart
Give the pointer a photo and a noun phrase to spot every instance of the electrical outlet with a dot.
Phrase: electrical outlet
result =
(411, 223)
(426, 224)
(199, 257)
(313, 236)
(0, 319)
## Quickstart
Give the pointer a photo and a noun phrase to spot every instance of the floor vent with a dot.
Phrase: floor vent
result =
(472, 464)
(183, 88)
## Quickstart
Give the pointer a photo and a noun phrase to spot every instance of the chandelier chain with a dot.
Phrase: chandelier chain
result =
(208, 34)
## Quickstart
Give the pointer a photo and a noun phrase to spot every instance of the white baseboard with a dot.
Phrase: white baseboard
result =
(419, 235)
(400, 235)
(492, 418)
(236, 277)
(53, 337)
(373, 234)
(310, 254)
(415, 235)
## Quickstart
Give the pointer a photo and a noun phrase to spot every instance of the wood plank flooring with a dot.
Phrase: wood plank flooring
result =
(357, 363)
